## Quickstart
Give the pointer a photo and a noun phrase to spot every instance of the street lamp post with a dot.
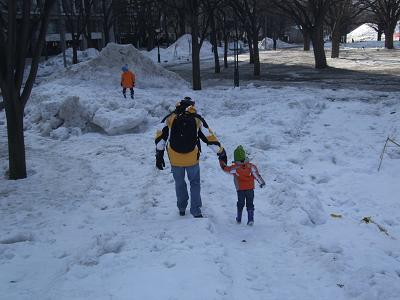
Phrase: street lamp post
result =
(158, 30)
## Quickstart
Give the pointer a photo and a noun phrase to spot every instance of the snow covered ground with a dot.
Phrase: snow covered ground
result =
(96, 220)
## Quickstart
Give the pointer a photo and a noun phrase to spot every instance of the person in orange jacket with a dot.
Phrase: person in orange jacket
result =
(244, 174)
(127, 81)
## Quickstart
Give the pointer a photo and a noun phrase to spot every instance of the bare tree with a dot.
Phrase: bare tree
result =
(250, 13)
(211, 9)
(378, 27)
(341, 14)
(224, 19)
(199, 22)
(108, 16)
(387, 13)
(23, 25)
(310, 16)
(275, 25)
(77, 14)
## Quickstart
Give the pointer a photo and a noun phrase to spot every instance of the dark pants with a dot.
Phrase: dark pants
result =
(245, 197)
(124, 92)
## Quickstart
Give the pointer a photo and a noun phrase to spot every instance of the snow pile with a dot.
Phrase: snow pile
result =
(365, 32)
(181, 50)
(56, 63)
(268, 44)
(106, 69)
(87, 96)
(121, 120)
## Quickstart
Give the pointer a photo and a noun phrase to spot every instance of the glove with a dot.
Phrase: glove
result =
(160, 164)
(222, 156)
(262, 185)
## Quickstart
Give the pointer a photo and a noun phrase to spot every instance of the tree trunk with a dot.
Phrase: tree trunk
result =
(226, 46)
(106, 34)
(166, 33)
(251, 52)
(196, 77)
(15, 131)
(389, 31)
(75, 51)
(336, 35)
(182, 23)
(151, 39)
(318, 45)
(106, 16)
(380, 35)
(275, 44)
(306, 40)
(89, 40)
(217, 68)
(380, 32)
(257, 66)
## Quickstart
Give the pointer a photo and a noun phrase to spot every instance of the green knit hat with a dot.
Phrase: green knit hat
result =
(239, 154)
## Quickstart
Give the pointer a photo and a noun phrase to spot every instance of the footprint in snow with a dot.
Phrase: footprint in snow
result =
(169, 264)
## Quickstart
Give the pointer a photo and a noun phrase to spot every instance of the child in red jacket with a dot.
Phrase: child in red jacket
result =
(127, 81)
(244, 174)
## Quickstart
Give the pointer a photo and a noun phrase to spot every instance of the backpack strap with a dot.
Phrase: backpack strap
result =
(201, 119)
(167, 116)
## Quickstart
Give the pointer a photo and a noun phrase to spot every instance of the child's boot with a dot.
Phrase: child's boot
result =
(239, 215)
(250, 217)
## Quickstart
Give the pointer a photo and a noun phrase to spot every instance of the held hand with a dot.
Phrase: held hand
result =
(222, 156)
(262, 185)
(160, 163)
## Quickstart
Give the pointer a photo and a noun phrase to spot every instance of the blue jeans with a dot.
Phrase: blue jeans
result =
(193, 174)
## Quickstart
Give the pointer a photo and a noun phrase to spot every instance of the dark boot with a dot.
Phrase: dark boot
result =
(239, 215)
(250, 217)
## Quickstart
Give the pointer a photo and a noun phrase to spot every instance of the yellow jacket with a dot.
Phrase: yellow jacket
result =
(186, 159)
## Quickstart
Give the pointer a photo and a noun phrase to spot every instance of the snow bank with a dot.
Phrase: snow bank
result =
(56, 63)
(86, 96)
(363, 33)
(268, 44)
(181, 50)
(106, 69)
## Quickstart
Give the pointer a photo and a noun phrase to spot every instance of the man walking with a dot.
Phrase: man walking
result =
(181, 136)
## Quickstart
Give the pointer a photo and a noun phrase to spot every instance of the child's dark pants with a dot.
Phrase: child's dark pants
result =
(245, 197)
(132, 92)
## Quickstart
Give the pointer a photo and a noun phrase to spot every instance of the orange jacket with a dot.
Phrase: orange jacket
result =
(128, 79)
(244, 175)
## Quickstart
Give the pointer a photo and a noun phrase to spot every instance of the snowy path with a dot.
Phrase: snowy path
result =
(96, 220)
